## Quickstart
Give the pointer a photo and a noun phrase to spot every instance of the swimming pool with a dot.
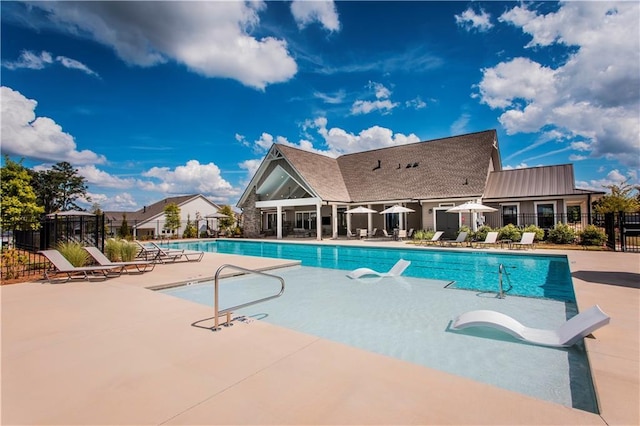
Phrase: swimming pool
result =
(409, 318)
(530, 275)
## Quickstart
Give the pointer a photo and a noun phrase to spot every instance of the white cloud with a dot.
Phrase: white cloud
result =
(193, 177)
(382, 102)
(331, 98)
(217, 43)
(613, 177)
(593, 97)
(459, 126)
(518, 166)
(416, 103)
(115, 202)
(34, 61)
(251, 166)
(38, 138)
(306, 12)
(471, 20)
(100, 178)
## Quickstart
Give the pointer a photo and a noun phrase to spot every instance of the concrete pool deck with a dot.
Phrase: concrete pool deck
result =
(114, 352)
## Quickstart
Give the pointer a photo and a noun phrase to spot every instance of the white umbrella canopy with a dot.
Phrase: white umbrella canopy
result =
(397, 209)
(361, 209)
(471, 207)
(216, 215)
(71, 213)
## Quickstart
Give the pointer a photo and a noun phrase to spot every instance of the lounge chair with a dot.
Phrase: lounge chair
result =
(374, 232)
(402, 233)
(363, 233)
(566, 335)
(462, 237)
(525, 241)
(386, 234)
(434, 240)
(395, 271)
(98, 256)
(154, 253)
(491, 238)
(63, 266)
(189, 255)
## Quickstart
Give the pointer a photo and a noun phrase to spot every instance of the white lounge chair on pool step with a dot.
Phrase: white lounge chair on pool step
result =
(435, 239)
(491, 238)
(566, 335)
(525, 241)
(396, 271)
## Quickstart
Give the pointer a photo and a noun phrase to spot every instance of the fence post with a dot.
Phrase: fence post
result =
(621, 226)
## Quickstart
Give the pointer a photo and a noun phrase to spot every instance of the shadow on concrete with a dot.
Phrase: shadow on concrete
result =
(621, 279)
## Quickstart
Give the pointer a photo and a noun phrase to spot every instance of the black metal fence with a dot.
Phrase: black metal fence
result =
(623, 231)
(21, 242)
(577, 222)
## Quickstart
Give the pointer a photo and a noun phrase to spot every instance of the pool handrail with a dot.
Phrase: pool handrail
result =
(217, 312)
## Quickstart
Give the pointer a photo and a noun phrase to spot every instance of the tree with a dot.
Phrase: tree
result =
(190, 230)
(171, 217)
(621, 198)
(20, 209)
(226, 222)
(124, 231)
(59, 188)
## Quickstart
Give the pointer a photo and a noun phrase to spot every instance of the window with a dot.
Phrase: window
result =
(272, 220)
(574, 213)
(305, 220)
(545, 214)
(509, 214)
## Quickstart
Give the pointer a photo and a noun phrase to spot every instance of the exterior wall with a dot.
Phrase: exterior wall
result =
(251, 217)
(197, 206)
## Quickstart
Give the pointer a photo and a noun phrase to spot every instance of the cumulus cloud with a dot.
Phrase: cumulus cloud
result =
(40, 138)
(116, 202)
(35, 61)
(613, 177)
(416, 103)
(251, 166)
(189, 178)
(381, 103)
(471, 20)
(218, 43)
(100, 178)
(594, 96)
(324, 11)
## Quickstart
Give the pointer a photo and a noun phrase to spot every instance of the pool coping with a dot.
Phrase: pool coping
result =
(281, 387)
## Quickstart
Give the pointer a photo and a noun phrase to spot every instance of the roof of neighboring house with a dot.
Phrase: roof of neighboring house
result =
(152, 210)
(450, 167)
(541, 181)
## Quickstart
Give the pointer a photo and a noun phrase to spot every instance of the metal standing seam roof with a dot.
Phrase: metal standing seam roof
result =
(544, 181)
(450, 167)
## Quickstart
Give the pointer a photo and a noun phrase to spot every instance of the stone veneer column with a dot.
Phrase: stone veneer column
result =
(251, 216)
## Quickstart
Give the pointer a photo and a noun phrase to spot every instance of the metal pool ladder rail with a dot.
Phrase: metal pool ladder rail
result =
(501, 271)
(217, 312)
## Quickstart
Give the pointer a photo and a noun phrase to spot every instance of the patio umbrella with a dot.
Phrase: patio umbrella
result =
(71, 213)
(397, 209)
(471, 207)
(361, 209)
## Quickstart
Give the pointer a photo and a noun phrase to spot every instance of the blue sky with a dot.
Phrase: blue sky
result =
(155, 99)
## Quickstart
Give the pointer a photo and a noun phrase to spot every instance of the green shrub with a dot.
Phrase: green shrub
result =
(128, 251)
(74, 253)
(509, 232)
(592, 236)
(481, 233)
(562, 234)
(538, 231)
(419, 235)
(465, 228)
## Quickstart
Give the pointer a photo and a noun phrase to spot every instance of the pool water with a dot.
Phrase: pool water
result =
(525, 274)
(409, 318)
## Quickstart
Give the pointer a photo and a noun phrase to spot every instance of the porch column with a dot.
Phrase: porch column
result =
(279, 222)
(334, 221)
(348, 223)
(369, 221)
(318, 221)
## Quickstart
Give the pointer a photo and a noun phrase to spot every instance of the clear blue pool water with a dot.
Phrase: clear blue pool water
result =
(529, 275)
(409, 318)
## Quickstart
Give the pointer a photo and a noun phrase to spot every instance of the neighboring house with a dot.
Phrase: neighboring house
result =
(149, 221)
(295, 190)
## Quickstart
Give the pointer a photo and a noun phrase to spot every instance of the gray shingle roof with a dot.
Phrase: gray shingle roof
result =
(152, 210)
(449, 167)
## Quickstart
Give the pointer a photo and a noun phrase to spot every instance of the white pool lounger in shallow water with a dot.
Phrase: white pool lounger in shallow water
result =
(566, 335)
(396, 271)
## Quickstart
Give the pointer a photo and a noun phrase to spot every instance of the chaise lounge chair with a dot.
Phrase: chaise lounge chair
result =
(63, 266)
(98, 256)
(156, 254)
(491, 238)
(566, 335)
(525, 241)
(462, 237)
(396, 271)
(189, 255)
(434, 240)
